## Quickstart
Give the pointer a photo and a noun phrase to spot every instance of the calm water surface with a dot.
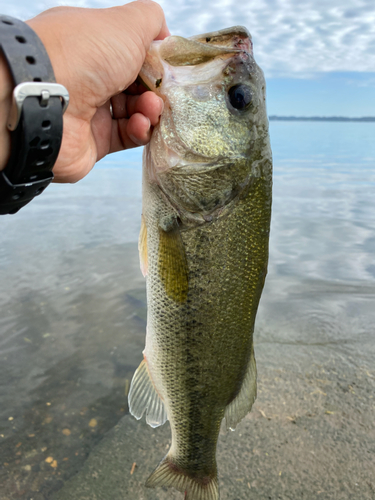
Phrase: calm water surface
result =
(73, 304)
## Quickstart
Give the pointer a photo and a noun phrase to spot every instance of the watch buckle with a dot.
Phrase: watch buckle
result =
(44, 90)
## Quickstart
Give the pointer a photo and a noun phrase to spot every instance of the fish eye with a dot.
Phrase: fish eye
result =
(240, 96)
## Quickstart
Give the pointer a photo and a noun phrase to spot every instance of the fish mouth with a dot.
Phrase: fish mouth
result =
(237, 37)
(176, 51)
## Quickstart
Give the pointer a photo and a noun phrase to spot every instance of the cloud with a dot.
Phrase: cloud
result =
(291, 37)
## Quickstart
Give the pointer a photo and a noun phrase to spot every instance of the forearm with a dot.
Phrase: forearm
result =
(5, 103)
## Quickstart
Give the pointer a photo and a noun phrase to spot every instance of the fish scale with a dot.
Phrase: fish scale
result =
(204, 251)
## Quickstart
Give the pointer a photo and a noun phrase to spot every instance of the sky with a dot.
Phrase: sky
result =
(318, 55)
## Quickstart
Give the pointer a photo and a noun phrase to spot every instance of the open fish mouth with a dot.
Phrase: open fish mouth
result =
(177, 51)
(217, 73)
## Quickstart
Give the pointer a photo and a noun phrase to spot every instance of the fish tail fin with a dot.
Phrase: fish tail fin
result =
(169, 474)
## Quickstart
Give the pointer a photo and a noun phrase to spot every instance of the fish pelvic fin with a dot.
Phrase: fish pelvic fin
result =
(169, 474)
(144, 398)
(242, 403)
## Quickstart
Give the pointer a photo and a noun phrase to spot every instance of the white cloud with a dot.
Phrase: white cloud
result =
(291, 37)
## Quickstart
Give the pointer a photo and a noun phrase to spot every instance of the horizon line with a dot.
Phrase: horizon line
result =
(323, 118)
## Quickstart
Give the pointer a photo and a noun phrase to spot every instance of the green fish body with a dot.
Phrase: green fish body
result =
(207, 179)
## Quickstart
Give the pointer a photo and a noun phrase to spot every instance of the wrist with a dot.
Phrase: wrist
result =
(35, 122)
(6, 88)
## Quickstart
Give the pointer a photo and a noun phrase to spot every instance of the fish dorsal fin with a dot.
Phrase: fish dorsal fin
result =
(144, 398)
(172, 265)
(242, 403)
(142, 247)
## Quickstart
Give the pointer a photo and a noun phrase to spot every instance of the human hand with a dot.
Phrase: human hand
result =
(97, 54)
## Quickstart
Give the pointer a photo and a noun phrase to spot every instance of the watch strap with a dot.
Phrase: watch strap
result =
(36, 118)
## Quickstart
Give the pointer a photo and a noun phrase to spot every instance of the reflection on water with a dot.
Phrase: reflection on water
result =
(67, 356)
(73, 309)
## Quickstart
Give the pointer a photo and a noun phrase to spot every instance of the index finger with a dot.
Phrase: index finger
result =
(151, 18)
(164, 31)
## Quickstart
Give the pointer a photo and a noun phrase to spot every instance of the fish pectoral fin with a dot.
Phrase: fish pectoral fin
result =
(242, 403)
(169, 474)
(142, 247)
(144, 398)
(172, 265)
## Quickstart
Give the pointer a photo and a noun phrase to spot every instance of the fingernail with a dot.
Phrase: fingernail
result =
(142, 142)
(136, 141)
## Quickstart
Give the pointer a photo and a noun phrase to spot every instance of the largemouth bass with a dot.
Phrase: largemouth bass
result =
(203, 247)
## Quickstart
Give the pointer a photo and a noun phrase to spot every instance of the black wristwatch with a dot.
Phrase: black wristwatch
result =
(35, 120)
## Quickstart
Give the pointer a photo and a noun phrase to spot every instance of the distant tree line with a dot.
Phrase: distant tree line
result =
(322, 118)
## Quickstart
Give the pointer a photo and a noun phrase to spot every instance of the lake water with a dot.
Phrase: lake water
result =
(73, 304)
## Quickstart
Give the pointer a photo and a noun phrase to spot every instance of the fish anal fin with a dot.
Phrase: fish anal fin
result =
(142, 247)
(169, 474)
(172, 265)
(144, 398)
(242, 403)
